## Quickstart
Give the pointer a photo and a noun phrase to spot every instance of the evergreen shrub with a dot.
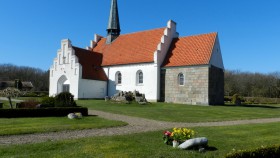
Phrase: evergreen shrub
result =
(47, 102)
(237, 99)
(64, 99)
(263, 152)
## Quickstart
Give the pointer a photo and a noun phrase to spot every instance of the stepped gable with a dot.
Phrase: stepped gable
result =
(190, 50)
(130, 48)
(91, 64)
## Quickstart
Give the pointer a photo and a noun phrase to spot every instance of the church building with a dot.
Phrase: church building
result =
(157, 63)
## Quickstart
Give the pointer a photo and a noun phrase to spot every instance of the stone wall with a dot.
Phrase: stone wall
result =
(195, 88)
(216, 86)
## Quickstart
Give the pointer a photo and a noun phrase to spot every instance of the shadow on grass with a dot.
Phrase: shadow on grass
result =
(211, 148)
(252, 106)
(203, 149)
(91, 115)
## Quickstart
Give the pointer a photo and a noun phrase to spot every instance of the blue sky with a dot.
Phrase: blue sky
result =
(249, 30)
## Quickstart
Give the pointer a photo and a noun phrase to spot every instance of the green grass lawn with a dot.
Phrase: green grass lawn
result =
(16, 126)
(150, 144)
(6, 104)
(184, 113)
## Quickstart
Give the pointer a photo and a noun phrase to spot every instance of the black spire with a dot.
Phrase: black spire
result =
(113, 29)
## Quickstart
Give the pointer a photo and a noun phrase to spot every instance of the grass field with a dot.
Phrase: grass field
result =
(16, 126)
(150, 145)
(184, 113)
(222, 140)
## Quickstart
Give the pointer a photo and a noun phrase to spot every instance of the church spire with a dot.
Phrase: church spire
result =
(113, 29)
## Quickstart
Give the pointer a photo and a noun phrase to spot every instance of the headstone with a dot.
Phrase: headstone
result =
(107, 98)
(202, 141)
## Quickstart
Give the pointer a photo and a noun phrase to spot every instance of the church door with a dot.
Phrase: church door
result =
(66, 88)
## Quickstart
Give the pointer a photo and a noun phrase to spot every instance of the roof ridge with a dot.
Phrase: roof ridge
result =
(200, 34)
(143, 31)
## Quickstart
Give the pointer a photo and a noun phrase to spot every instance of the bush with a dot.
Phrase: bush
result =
(237, 99)
(227, 99)
(261, 100)
(34, 94)
(28, 104)
(48, 101)
(129, 96)
(64, 99)
(29, 94)
(269, 152)
(47, 112)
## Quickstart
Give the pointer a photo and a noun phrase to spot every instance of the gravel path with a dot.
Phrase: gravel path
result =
(135, 125)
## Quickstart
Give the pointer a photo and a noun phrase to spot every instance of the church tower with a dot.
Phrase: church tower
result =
(113, 29)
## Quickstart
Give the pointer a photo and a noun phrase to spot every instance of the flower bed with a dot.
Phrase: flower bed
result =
(183, 138)
(178, 134)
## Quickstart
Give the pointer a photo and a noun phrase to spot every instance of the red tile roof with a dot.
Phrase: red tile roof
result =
(140, 47)
(130, 48)
(91, 64)
(190, 50)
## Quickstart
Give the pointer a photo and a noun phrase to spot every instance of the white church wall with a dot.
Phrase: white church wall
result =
(166, 40)
(216, 58)
(66, 69)
(129, 79)
(92, 89)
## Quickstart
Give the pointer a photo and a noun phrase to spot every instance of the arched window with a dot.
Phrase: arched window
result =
(181, 79)
(118, 78)
(139, 77)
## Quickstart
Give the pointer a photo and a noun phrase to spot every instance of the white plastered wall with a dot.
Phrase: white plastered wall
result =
(66, 67)
(216, 58)
(129, 79)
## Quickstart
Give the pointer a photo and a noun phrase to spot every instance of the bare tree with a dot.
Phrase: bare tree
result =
(38, 77)
(250, 84)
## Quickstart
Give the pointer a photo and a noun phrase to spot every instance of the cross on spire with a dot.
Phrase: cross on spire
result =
(113, 29)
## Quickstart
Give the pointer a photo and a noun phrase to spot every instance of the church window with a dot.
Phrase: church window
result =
(118, 78)
(139, 77)
(181, 79)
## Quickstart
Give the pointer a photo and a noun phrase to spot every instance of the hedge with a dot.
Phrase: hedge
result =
(263, 152)
(41, 112)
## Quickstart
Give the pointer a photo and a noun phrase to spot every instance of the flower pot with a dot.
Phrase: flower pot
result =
(175, 144)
